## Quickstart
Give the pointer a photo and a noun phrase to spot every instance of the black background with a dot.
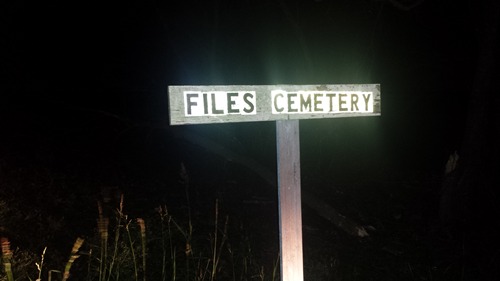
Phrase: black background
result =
(84, 96)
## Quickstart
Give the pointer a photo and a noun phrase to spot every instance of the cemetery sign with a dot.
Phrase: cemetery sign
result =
(245, 103)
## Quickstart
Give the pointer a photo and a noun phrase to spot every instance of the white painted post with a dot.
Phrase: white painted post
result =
(290, 209)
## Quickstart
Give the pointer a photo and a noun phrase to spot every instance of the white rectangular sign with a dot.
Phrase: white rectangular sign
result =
(245, 103)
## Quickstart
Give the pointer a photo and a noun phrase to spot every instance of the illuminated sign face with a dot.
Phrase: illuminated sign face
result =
(204, 104)
(321, 102)
(215, 103)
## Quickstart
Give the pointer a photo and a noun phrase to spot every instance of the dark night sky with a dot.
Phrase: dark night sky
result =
(119, 58)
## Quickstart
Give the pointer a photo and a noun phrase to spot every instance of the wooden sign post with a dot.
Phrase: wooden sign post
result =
(285, 104)
(290, 208)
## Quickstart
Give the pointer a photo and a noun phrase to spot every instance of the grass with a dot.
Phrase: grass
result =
(155, 247)
(162, 247)
(207, 246)
(6, 258)
(186, 243)
(125, 257)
